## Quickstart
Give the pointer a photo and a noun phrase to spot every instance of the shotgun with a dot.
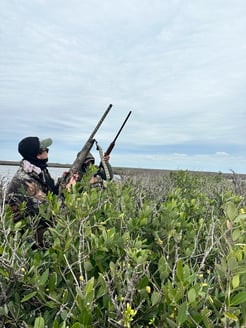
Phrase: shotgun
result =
(111, 146)
(109, 149)
(82, 154)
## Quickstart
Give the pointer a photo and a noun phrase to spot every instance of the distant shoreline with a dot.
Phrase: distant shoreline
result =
(138, 171)
(16, 163)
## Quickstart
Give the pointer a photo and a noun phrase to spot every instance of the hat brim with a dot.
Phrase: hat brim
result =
(45, 143)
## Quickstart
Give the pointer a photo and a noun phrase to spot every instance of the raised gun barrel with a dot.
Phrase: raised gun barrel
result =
(111, 146)
(81, 156)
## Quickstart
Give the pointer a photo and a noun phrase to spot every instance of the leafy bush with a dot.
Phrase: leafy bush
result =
(166, 252)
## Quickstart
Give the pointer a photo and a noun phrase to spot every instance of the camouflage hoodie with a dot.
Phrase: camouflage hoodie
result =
(30, 184)
(100, 172)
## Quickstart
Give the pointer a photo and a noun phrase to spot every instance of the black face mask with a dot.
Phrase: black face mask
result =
(42, 163)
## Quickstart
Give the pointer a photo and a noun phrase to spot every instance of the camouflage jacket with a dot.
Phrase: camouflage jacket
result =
(30, 185)
(100, 169)
(101, 172)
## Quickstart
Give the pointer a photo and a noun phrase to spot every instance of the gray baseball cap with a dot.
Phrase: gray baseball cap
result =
(45, 143)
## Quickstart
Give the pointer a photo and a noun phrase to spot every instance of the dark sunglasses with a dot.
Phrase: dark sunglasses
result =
(42, 150)
(89, 163)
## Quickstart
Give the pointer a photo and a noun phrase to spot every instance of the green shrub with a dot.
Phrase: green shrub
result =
(170, 252)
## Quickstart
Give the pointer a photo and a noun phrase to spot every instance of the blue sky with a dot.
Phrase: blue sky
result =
(180, 66)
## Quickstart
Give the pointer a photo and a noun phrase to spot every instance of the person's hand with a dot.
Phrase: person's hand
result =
(72, 181)
(106, 158)
(93, 180)
(96, 181)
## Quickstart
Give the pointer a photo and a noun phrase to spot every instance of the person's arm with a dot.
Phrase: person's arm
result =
(101, 172)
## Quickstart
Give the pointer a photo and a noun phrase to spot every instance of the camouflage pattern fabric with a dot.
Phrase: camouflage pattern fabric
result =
(28, 185)
(100, 172)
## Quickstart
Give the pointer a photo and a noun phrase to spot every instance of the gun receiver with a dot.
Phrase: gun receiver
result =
(81, 156)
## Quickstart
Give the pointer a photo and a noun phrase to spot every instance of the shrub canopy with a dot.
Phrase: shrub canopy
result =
(164, 252)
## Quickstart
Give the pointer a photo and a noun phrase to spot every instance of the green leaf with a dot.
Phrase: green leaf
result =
(101, 291)
(163, 269)
(236, 234)
(236, 281)
(42, 280)
(4, 273)
(3, 310)
(182, 313)
(179, 270)
(39, 322)
(64, 315)
(155, 298)
(65, 295)
(88, 295)
(171, 323)
(51, 304)
(18, 225)
(239, 298)
(231, 210)
(63, 324)
(28, 296)
(76, 325)
(243, 311)
(112, 267)
(52, 281)
(192, 295)
(231, 316)
(89, 286)
(232, 263)
(88, 266)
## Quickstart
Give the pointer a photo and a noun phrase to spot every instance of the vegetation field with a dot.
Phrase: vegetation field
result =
(146, 251)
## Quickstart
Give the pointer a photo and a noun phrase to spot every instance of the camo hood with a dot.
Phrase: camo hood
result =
(89, 158)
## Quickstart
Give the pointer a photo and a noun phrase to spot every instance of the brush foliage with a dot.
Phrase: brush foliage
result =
(145, 252)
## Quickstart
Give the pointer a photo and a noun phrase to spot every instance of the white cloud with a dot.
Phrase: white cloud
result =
(221, 154)
(179, 66)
